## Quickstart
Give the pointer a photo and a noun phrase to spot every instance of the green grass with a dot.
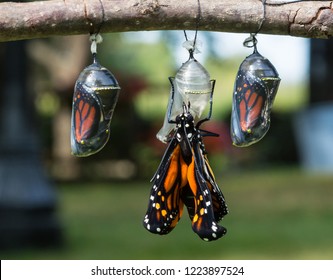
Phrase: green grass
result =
(274, 214)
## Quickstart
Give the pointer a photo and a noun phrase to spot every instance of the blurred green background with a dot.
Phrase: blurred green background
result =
(274, 214)
(277, 211)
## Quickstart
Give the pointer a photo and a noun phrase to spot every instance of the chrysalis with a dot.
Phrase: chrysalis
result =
(95, 97)
(192, 84)
(255, 89)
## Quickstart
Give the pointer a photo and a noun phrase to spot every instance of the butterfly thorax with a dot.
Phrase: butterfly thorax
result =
(185, 134)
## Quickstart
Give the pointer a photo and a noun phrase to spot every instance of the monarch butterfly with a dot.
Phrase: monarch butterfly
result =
(191, 84)
(255, 89)
(95, 97)
(184, 177)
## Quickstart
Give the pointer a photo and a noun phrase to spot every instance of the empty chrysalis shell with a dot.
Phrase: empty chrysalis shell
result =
(96, 94)
(255, 89)
(192, 85)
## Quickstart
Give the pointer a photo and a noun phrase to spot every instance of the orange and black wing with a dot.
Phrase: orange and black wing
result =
(164, 206)
(203, 199)
(249, 120)
(89, 131)
(219, 204)
(86, 113)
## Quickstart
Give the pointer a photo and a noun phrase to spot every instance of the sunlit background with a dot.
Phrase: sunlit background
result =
(279, 190)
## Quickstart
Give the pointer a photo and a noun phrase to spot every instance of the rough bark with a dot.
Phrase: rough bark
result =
(312, 19)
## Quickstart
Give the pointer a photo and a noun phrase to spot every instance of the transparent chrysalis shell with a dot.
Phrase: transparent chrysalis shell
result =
(255, 89)
(96, 94)
(192, 85)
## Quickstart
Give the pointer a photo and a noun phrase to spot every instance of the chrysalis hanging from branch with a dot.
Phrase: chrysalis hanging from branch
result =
(96, 94)
(255, 89)
(191, 84)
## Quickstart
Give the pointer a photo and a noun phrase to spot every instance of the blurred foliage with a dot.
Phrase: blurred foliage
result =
(278, 213)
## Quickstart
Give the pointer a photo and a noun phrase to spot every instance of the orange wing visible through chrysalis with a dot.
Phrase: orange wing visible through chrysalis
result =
(86, 117)
(95, 96)
(250, 107)
(243, 117)
(254, 92)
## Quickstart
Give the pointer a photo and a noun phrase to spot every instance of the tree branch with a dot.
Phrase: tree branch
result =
(311, 19)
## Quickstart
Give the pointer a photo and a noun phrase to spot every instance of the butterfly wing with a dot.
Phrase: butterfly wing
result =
(89, 129)
(86, 114)
(165, 207)
(185, 177)
(249, 117)
(200, 205)
(204, 200)
(219, 204)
